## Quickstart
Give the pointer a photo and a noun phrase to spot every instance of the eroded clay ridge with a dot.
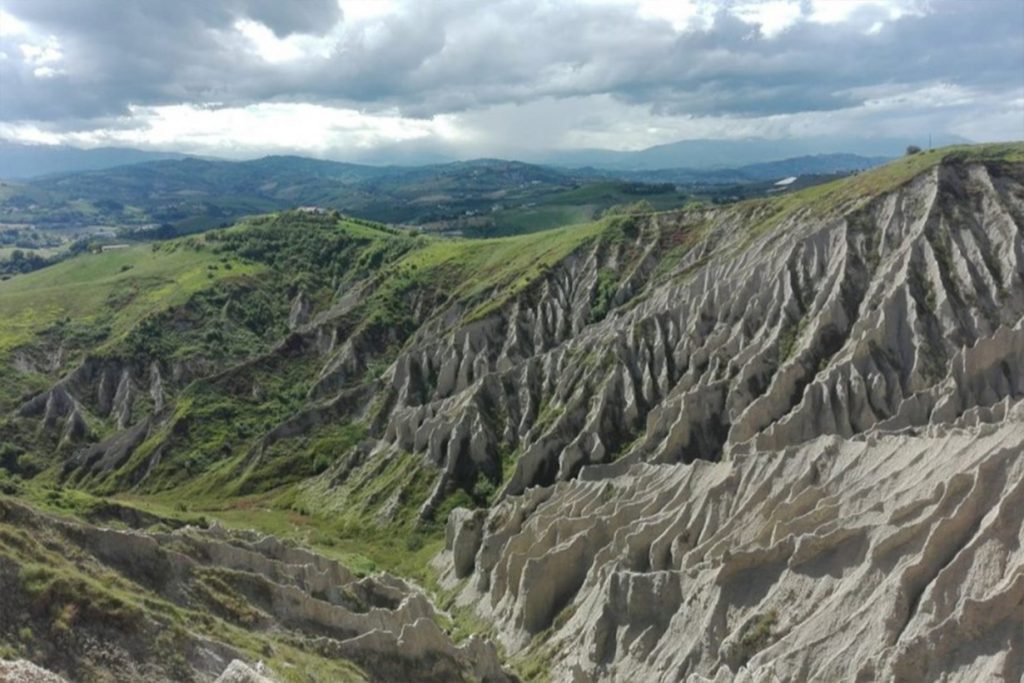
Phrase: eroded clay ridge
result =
(898, 311)
(896, 556)
(827, 475)
(729, 442)
(381, 623)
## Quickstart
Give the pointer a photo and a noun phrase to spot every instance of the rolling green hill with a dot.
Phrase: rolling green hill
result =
(193, 194)
(136, 281)
(486, 197)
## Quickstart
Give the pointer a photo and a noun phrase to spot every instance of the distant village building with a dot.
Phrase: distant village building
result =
(113, 247)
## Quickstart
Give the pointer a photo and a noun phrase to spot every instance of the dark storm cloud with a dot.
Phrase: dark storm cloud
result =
(447, 57)
(118, 53)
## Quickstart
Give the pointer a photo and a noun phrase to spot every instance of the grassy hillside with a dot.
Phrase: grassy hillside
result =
(579, 205)
(130, 283)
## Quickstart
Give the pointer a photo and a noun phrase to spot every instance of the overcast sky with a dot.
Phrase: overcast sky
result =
(347, 78)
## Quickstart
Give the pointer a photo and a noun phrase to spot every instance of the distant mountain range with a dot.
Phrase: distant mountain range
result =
(30, 161)
(818, 164)
(20, 161)
(722, 154)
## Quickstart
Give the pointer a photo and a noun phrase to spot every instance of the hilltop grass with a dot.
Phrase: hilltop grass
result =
(483, 274)
(142, 279)
(122, 287)
(501, 268)
(525, 220)
(476, 267)
(838, 194)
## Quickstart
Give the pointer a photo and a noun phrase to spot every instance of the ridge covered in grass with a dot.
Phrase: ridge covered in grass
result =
(846, 192)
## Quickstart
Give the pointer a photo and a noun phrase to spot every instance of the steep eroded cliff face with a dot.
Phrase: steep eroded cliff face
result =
(894, 556)
(856, 384)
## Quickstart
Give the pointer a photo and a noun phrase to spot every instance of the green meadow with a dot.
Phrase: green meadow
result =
(132, 283)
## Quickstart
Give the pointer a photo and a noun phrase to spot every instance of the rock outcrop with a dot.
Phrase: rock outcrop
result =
(240, 672)
(383, 625)
(889, 557)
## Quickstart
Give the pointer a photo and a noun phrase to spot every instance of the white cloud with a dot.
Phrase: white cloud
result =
(682, 14)
(40, 53)
(357, 11)
(262, 41)
(836, 11)
(773, 16)
(357, 15)
(47, 53)
(499, 77)
(43, 57)
(249, 131)
(10, 25)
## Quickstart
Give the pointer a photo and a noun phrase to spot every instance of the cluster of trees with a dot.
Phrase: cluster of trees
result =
(647, 188)
(310, 246)
(21, 261)
(289, 243)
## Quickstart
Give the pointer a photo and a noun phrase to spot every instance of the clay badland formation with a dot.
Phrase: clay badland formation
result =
(776, 440)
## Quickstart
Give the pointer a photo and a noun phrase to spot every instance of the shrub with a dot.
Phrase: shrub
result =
(483, 490)
(604, 294)
(758, 635)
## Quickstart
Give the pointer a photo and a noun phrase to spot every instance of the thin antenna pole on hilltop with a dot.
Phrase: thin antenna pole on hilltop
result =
(929, 140)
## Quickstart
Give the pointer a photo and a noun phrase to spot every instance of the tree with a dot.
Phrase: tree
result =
(913, 149)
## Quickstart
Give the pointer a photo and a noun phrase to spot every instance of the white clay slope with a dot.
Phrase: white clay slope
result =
(860, 381)
(890, 557)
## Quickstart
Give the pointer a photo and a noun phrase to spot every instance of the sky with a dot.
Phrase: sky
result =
(358, 79)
